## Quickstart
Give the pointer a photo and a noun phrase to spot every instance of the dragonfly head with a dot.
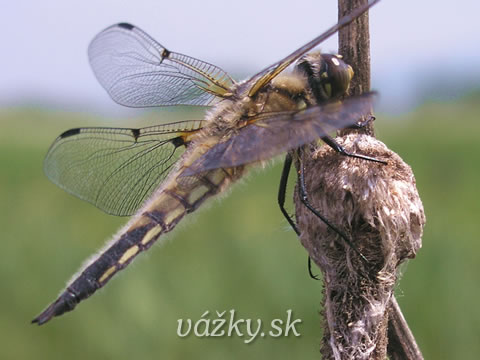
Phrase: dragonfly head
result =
(328, 76)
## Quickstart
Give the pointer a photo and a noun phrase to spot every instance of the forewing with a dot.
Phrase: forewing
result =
(262, 78)
(137, 71)
(268, 135)
(116, 169)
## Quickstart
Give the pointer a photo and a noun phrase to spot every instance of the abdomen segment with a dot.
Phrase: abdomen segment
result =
(180, 196)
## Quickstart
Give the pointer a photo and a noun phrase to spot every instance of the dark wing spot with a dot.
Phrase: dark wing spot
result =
(70, 132)
(125, 26)
(165, 53)
(135, 133)
(178, 141)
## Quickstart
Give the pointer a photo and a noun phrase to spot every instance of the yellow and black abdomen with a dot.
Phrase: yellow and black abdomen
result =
(177, 197)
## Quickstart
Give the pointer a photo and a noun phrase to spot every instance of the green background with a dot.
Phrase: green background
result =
(238, 253)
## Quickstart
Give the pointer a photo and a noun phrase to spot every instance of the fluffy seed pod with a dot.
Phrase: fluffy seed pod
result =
(379, 209)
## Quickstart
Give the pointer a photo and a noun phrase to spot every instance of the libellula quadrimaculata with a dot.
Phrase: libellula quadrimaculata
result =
(160, 173)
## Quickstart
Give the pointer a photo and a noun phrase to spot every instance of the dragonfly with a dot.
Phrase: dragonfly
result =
(161, 173)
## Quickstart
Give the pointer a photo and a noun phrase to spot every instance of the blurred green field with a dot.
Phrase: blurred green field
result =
(236, 254)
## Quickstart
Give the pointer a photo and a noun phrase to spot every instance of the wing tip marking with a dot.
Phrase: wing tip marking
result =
(125, 25)
(69, 133)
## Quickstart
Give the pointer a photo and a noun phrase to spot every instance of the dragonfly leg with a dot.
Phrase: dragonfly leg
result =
(310, 272)
(282, 190)
(339, 148)
(362, 124)
(302, 192)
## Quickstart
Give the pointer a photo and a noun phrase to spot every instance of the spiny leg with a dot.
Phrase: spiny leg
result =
(282, 190)
(338, 148)
(302, 192)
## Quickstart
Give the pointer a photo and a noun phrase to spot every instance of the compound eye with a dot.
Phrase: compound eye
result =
(327, 87)
(339, 76)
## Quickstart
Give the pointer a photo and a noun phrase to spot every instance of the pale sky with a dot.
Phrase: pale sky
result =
(43, 57)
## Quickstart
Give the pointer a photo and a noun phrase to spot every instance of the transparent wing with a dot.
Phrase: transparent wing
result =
(137, 71)
(270, 134)
(262, 78)
(116, 169)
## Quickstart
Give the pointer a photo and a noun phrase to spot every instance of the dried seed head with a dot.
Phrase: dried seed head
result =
(367, 200)
(379, 209)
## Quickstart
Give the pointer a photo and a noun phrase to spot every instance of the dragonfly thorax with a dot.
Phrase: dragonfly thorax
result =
(286, 92)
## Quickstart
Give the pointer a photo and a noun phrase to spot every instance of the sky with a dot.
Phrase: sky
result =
(419, 49)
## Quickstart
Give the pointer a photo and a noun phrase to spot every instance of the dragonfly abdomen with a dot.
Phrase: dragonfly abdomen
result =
(180, 196)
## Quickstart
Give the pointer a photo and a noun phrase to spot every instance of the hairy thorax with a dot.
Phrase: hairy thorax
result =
(285, 93)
